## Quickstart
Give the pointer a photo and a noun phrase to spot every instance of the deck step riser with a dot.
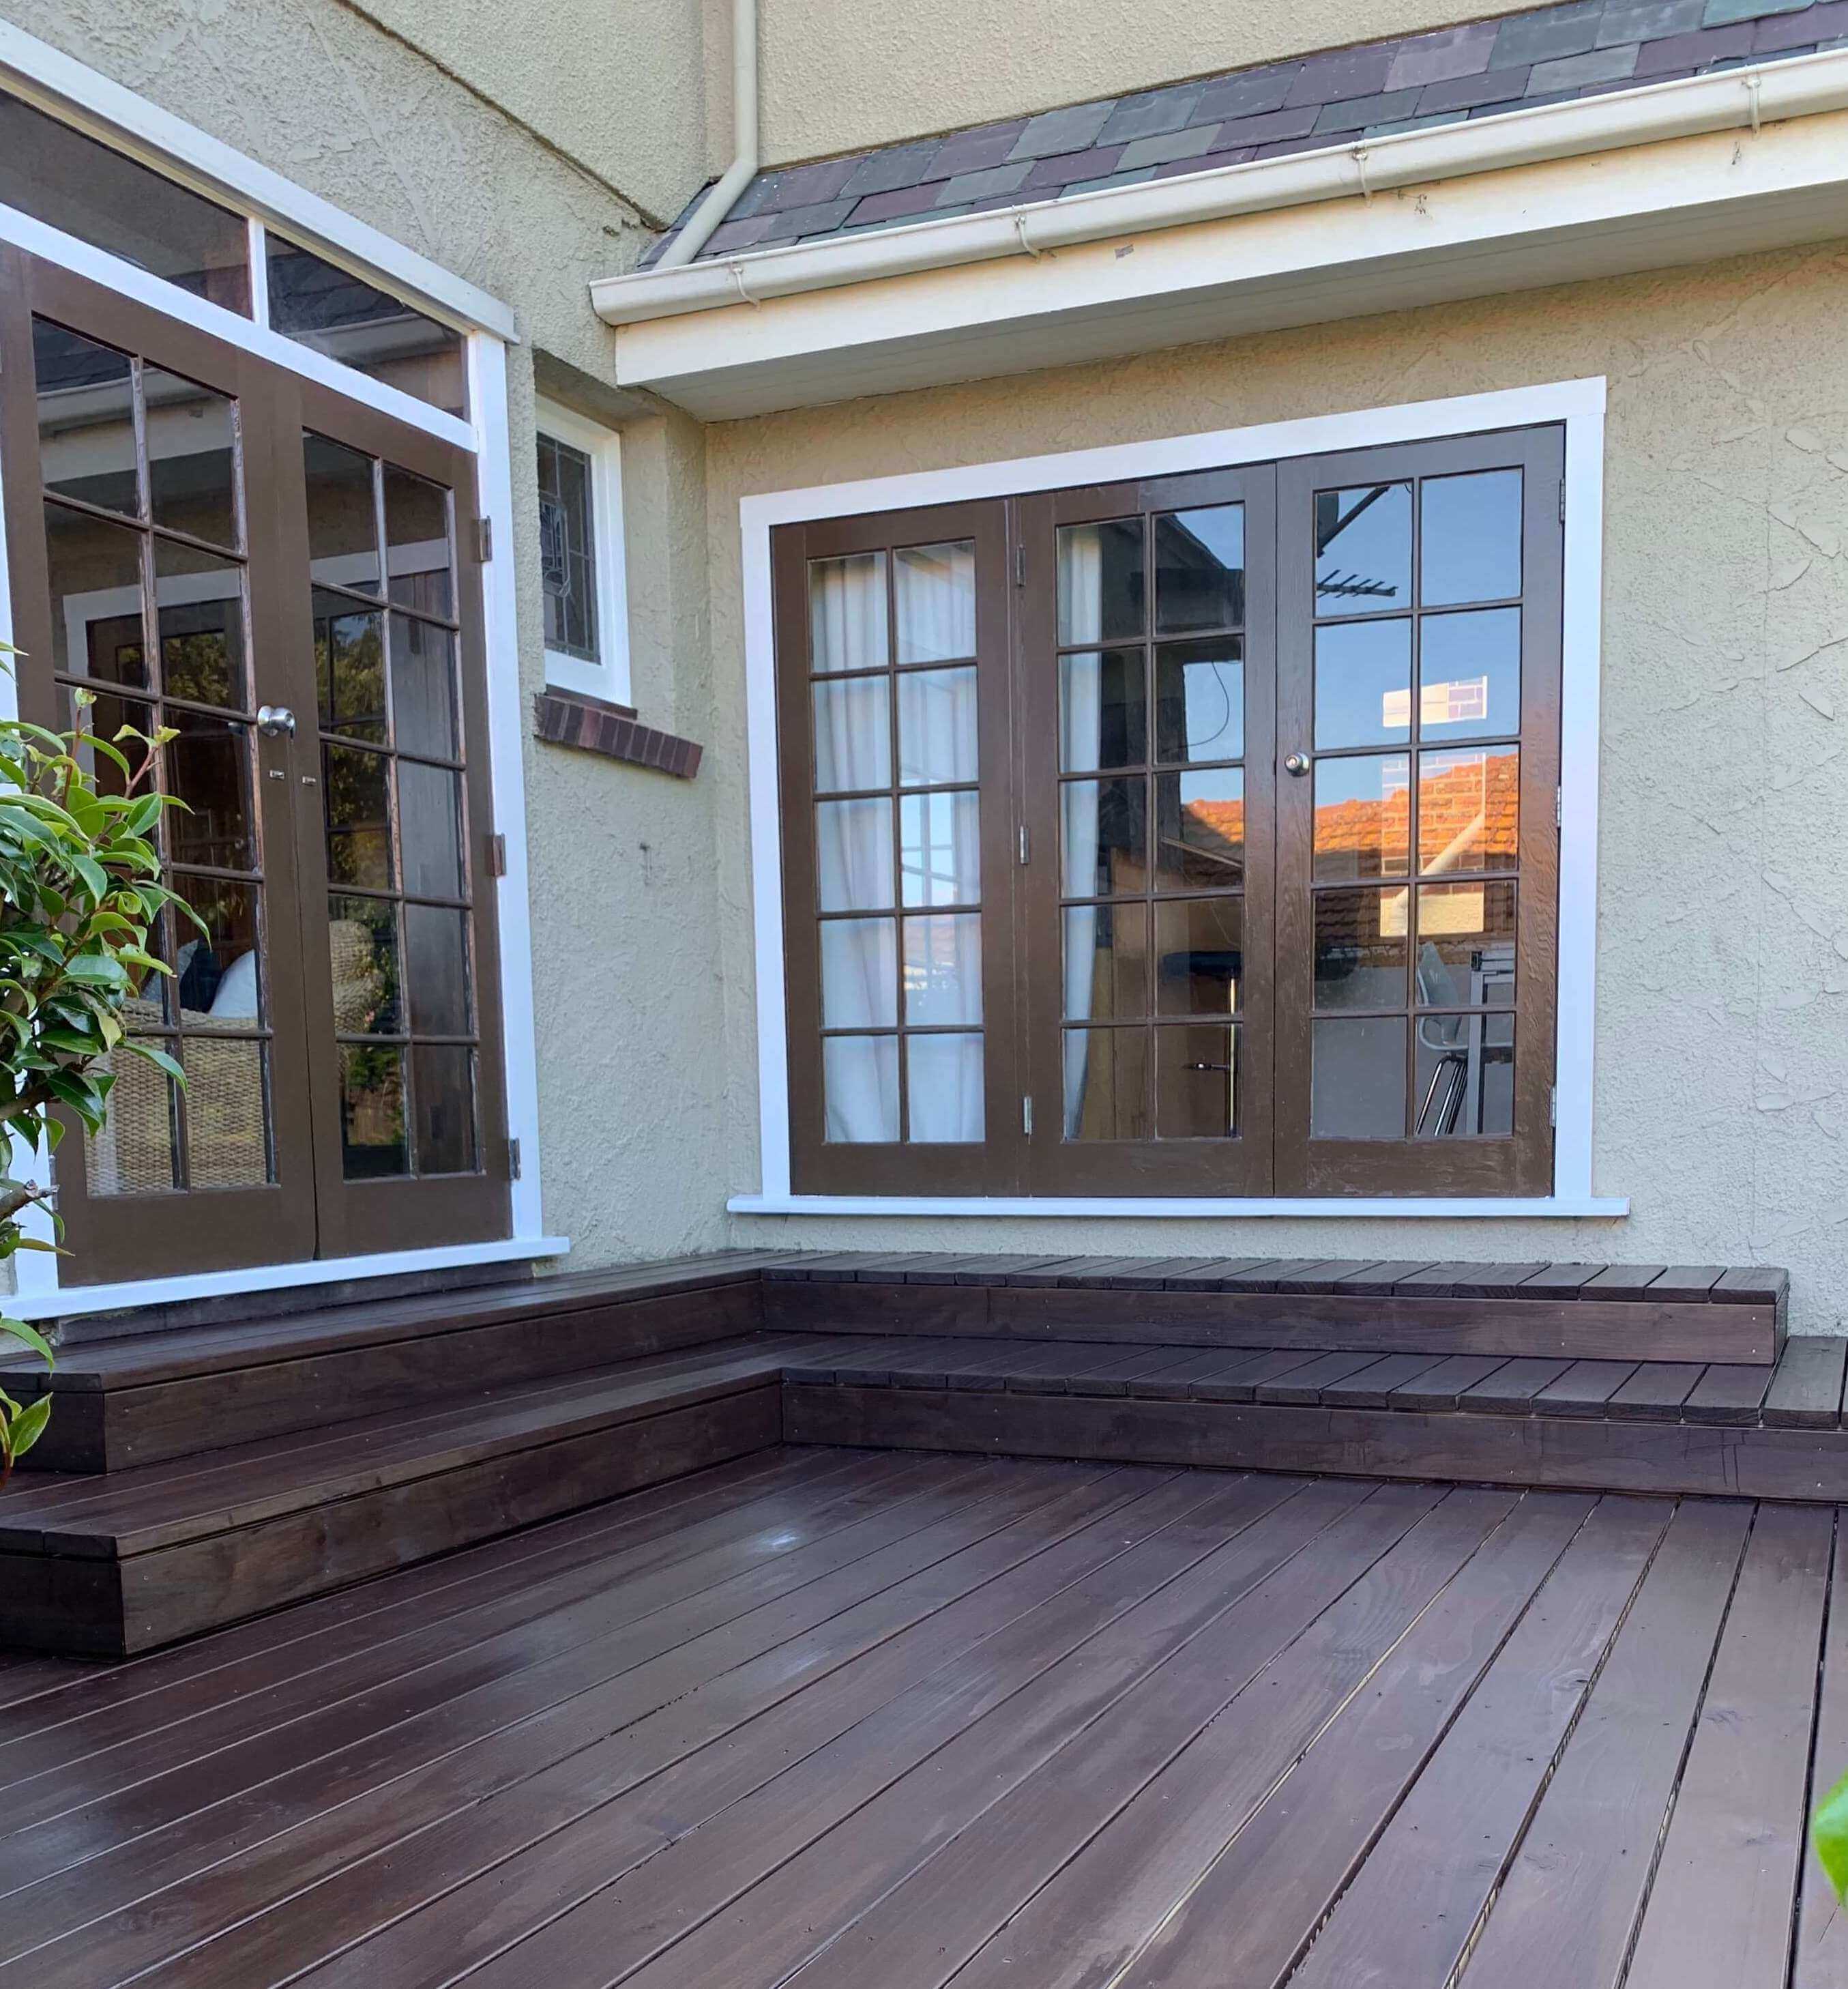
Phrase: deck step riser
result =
(108, 1608)
(1572, 1330)
(115, 1428)
(1584, 1454)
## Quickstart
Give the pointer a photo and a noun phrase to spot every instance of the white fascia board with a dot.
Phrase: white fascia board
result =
(78, 95)
(1637, 180)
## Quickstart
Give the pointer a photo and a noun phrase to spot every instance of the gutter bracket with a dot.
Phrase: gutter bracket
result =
(1360, 167)
(736, 266)
(1019, 228)
(1752, 87)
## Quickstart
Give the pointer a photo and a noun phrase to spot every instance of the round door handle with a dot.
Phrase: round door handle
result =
(1297, 764)
(276, 721)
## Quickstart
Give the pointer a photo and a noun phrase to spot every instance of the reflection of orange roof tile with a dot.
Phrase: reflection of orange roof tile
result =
(1469, 815)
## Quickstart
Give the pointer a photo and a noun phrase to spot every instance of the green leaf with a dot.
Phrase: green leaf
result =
(17, 1329)
(1828, 1837)
(159, 1058)
(29, 1424)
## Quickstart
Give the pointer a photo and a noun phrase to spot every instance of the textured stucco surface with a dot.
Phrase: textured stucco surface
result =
(1722, 1045)
(841, 74)
(623, 889)
(621, 86)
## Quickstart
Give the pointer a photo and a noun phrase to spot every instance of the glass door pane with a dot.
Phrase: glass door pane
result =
(137, 538)
(1147, 662)
(1419, 721)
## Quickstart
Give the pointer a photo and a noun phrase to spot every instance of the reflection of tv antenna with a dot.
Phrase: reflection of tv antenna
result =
(1348, 585)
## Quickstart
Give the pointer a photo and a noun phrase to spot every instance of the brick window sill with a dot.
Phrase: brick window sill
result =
(594, 725)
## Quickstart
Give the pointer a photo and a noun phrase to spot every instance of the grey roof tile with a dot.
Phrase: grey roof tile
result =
(1545, 37)
(1114, 180)
(898, 203)
(1270, 128)
(1347, 73)
(1093, 162)
(1150, 114)
(1785, 35)
(1170, 145)
(1574, 73)
(1066, 130)
(821, 218)
(1694, 51)
(1466, 92)
(1358, 112)
(1455, 52)
(884, 172)
(1475, 70)
(1247, 95)
(979, 186)
(969, 151)
(1647, 20)
(1210, 162)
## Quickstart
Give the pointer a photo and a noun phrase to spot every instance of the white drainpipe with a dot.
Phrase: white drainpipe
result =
(743, 168)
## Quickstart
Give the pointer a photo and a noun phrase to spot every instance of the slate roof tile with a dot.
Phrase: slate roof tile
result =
(1648, 20)
(885, 172)
(1465, 92)
(1347, 73)
(1150, 114)
(969, 152)
(1358, 112)
(1428, 59)
(1473, 70)
(1788, 32)
(1545, 37)
(1574, 73)
(1158, 152)
(1066, 130)
(979, 186)
(1095, 163)
(1694, 51)
(1248, 95)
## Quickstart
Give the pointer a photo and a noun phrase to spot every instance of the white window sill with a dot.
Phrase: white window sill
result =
(578, 678)
(70, 1301)
(1436, 1207)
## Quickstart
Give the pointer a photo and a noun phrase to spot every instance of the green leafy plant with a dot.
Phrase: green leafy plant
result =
(80, 899)
(1828, 1837)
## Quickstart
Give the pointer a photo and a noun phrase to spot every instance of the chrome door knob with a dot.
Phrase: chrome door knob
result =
(276, 721)
(1297, 764)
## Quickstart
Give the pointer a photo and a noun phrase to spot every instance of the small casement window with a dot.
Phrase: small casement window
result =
(1190, 837)
(579, 466)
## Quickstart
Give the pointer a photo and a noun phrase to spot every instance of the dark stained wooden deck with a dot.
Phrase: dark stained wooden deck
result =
(847, 1720)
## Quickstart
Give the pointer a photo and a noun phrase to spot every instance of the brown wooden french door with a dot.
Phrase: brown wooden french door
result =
(199, 541)
(1266, 829)
(1147, 688)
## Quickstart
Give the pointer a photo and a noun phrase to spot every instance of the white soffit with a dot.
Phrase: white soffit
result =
(1730, 164)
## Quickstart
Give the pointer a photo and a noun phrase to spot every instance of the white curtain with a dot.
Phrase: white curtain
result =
(854, 845)
(935, 590)
(1080, 619)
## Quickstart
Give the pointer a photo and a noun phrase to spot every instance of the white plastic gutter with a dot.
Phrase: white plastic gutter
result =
(1740, 98)
(743, 168)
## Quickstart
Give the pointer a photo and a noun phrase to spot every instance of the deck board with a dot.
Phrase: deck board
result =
(833, 1717)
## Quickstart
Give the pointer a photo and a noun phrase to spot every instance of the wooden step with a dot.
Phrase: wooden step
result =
(112, 1565)
(1577, 1312)
(1672, 1426)
(156, 1397)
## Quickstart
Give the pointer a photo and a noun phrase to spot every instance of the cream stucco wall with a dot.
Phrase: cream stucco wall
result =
(624, 865)
(841, 74)
(619, 88)
(1722, 1045)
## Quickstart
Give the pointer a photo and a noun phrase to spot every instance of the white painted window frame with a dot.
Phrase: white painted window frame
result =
(1578, 406)
(608, 677)
(83, 97)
